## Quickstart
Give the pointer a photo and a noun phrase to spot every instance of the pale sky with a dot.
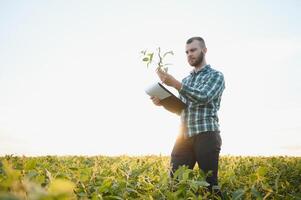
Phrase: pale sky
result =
(72, 80)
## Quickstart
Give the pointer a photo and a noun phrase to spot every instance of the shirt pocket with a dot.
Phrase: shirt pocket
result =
(200, 83)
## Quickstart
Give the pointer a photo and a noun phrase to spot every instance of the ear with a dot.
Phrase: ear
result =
(204, 50)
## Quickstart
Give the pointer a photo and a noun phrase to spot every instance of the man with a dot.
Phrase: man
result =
(199, 139)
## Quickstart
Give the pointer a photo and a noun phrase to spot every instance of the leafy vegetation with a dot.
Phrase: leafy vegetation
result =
(123, 177)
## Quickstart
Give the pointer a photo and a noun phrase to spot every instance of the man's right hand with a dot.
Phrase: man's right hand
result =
(156, 101)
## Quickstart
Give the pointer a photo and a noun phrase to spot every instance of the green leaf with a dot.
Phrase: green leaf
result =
(82, 194)
(73, 168)
(255, 193)
(238, 194)
(106, 185)
(30, 164)
(202, 183)
(145, 59)
(61, 186)
(31, 174)
(114, 197)
(261, 171)
(150, 55)
(186, 174)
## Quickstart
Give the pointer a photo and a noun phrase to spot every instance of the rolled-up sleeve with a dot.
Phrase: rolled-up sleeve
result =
(205, 92)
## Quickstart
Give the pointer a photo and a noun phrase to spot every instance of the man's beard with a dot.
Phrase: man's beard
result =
(198, 60)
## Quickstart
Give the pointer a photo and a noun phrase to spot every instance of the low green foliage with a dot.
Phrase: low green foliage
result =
(78, 177)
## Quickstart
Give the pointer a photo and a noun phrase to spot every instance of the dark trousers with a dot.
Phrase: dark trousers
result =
(203, 148)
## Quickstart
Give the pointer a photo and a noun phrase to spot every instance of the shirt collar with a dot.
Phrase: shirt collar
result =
(203, 69)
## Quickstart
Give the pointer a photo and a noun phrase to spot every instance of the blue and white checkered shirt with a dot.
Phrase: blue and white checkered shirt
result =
(202, 92)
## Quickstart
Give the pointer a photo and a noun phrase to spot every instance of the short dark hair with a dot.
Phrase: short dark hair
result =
(201, 40)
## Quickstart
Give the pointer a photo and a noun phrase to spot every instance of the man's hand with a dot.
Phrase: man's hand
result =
(168, 79)
(156, 101)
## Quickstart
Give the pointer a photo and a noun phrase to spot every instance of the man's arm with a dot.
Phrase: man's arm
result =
(202, 94)
(206, 92)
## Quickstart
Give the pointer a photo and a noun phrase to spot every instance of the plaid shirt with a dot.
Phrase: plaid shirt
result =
(202, 92)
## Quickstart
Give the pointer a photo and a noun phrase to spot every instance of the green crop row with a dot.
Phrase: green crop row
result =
(124, 177)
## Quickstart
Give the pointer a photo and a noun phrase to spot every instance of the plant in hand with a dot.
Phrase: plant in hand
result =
(148, 58)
